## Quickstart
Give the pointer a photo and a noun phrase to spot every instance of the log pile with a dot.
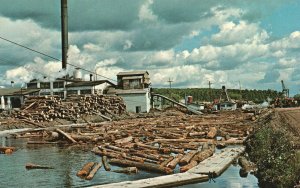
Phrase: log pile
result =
(159, 144)
(48, 108)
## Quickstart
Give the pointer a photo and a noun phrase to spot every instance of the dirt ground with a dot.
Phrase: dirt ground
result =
(291, 119)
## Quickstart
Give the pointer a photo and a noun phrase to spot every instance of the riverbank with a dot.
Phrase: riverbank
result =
(275, 149)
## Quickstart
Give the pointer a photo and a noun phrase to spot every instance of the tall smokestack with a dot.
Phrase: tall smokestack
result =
(64, 32)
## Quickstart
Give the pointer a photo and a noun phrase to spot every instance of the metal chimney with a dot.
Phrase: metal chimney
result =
(64, 32)
(91, 77)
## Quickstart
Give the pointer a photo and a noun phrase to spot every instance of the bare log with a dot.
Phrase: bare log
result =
(32, 123)
(66, 135)
(175, 161)
(164, 163)
(143, 166)
(204, 154)
(29, 166)
(105, 163)
(124, 140)
(86, 169)
(94, 171)
(188, 166)
(128, 170)
(212, 133)
(41, 142)
(187, 157)
(4, 148)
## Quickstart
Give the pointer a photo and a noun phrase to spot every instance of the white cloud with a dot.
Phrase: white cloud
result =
(127, 45)
(18, 75)
(92, 47)
(242, 32)
(163, 56)
(145, 13)
(292, 41)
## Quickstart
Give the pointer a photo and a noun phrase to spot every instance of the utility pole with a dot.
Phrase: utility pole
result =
(170, 82)
(210, 93)
(64, 32)
(209, 84)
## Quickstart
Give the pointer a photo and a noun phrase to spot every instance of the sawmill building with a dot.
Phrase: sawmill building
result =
(134, 88)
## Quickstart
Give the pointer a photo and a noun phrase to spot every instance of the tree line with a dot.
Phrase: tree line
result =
(206, 94)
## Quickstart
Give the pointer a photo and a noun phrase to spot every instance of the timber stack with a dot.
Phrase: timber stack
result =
(48, 108)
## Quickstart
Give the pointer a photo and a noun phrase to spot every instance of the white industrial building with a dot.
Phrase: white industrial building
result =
(133, 87)
(88, 87)
(69, 85)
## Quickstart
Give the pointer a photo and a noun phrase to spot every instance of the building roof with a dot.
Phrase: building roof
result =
(131, 73)
(89, 83)
(16, 91)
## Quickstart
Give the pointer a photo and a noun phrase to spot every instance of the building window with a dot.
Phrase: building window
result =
(135, 84)
(45, 85)
(70, 92)
(45, 93)
(86, 91)
(58, 84)
(59, 94)
(32, 85)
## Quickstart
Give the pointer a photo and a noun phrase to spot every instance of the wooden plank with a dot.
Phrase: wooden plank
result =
(219, 162)
(162, 181)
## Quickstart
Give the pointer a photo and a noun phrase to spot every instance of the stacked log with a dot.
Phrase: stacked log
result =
(48, 108)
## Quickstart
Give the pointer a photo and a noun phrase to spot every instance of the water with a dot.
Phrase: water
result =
(68, 160)
(229, 179)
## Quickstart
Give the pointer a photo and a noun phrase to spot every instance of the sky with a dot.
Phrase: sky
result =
(253, 44)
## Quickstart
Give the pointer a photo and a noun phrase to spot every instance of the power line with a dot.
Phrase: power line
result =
(51, 57)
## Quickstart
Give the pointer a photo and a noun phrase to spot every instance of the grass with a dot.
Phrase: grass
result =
(272, 151)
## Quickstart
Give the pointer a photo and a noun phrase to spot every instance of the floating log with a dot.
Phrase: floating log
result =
(33, 123)
(128, 170)
(187, 157)
(204, 154)
(94, 171)
(175, 161)
(147, 156)
(124, 140)
(188, 166)
(246, 165)
(41, 142)
(212, 133)
(143, 166)
(164, 163)
(4, 148)
(86, 169)
(66, 135)
(105, 163)
(29, 166)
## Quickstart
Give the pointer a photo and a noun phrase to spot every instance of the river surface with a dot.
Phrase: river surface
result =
(68, 160)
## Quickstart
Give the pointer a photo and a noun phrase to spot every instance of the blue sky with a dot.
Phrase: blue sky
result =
(192, 42)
